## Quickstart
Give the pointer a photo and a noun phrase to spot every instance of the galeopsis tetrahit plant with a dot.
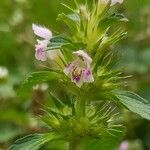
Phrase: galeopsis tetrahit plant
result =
(88, 117)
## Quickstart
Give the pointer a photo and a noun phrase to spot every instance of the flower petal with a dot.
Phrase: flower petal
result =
(77, 76)
(83, 56)
(42, 32)
(88, 76)
(124, 145)
(68, 70)
(80, 83)
(113, 2)
(41, 54)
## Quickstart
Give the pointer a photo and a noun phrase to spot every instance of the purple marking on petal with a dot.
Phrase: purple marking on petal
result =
(88, 72)
(77, 74)
(41, 54)
(40, 49)
(88, 76)
(77, 78)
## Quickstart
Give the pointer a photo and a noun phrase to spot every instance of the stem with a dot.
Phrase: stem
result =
(81, 107)
(75, 145)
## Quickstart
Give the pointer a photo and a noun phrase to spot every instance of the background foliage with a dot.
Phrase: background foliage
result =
(19, 114)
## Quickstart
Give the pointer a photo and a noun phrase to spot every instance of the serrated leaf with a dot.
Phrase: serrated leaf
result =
(34, 141)
(37, 78)
(135, 103)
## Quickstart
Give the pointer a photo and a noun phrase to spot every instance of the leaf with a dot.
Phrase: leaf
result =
(105, 143)
(8, 133)
(72, 21)
(57, 145)
(33, 142)
(57, 42)
(135, 103)
(37, 78)
(58, 103)
(111, 20)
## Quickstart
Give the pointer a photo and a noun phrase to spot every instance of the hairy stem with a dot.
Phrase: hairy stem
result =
(75, 145)
(81, 107)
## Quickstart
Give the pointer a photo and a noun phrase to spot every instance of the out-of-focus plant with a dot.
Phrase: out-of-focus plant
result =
(82, 62)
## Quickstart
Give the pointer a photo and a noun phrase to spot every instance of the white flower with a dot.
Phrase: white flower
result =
(42, 32)
(80, 70)
(113, 2)
(46, 35)
(3, 72)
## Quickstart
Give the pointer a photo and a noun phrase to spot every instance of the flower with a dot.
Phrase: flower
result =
(3, 72)
(124, 145)
(40, 47)
(80, 70)
(113, 2)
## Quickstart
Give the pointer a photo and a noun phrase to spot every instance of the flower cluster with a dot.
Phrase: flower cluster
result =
(79, 71)
(83, 55)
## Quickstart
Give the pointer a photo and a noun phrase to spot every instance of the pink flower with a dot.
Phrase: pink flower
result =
(40, 47)
(124, 145)
(80, 70)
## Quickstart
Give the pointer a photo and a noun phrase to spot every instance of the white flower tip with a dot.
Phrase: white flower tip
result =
(113, 2)
(42, 32)
(84, 55)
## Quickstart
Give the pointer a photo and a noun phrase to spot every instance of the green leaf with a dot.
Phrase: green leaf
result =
(107, 142)
(58, 103)
(72, 21)
(57, 42)
(57, 145)
(37, 78)
(8, 133)
(34, 141)
(111, 20)
(135, 103)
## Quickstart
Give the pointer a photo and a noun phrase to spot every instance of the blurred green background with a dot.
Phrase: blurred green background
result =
(18, 115)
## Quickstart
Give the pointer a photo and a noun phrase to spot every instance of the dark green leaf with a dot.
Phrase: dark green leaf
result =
(33, 142)
(135, 103)
(111, 20)
(37, 78)
(57, 42)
